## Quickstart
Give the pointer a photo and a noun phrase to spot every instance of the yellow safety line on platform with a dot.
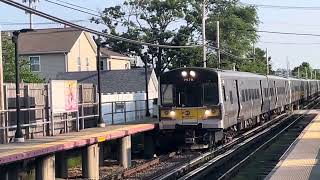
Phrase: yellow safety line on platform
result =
(299, 162)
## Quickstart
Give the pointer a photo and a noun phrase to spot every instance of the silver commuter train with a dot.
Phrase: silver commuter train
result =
(209, 105)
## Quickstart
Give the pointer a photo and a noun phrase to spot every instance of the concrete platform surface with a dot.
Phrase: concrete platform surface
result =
(36, 147)
(301, 160)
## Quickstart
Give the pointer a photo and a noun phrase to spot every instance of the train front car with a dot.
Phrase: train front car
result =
(190, 105)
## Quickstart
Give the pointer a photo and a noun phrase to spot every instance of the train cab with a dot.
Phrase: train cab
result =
(190, 100)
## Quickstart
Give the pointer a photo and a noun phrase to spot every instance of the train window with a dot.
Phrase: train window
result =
(210, 93)
(242, 95)
(167, 91)
(247, 95)
(224, 93)
(265, 92)
(253, 94)
(256, 93)
(231, 97)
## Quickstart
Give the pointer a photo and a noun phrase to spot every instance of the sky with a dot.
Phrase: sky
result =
(282, 48)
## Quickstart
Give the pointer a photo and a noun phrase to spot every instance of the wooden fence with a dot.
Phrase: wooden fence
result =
(36, 116)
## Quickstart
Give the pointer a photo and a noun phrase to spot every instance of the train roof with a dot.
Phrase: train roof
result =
(239, 74)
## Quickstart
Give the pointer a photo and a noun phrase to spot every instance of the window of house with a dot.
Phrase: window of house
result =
(87, 64)
(79, 64)
(35, 63)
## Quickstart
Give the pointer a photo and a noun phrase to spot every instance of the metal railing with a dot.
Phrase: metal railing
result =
(46, 124)
(120, 112)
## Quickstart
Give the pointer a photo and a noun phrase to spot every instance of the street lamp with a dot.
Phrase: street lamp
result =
(101, 123)
(145, 59)
(18, 137)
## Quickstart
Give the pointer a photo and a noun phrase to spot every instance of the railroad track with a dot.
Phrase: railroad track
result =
(193, 165)
(220, 160)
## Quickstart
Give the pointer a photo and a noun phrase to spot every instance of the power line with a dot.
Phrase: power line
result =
(282, 7)
(86, 12)
(289, 43)
(37, 23)
(59, 20)
(78, 6)
(287, 33)
(278, 32)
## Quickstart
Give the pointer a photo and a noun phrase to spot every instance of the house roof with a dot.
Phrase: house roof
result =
(53, 40)
(105, 52)
(129, 80)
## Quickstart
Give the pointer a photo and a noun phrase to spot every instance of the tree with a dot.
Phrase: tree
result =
(304, 70)
(153, 21)
(238, 26)
(8, 56)
(257, 63)
(178, 22)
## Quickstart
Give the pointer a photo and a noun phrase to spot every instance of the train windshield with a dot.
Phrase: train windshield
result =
(190, 94)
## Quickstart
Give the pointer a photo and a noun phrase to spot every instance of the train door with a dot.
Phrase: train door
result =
(238, 98)
(261, 96)
(233, 100)
(276, 95)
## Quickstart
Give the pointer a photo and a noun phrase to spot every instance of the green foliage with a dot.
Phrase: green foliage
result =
(257, 63)
(305, 71)
(8, 57)
(179, 22)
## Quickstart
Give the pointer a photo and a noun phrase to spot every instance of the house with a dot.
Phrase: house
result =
(51, 51)
(122, 90)
(111, 60)
(58, 50)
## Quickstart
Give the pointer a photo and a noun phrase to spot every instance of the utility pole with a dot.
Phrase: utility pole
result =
(204, 16)
(145, 59)
(306, 71)
(30, 2)
(1, 92)
(218, 44)
(100, 122)
(288, 67)
(254, 52)
(298, 72)
(267, 61)
(310, 73)
(315, 74)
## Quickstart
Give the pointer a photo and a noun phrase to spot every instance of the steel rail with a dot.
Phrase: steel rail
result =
(208, 156)
(195, 172)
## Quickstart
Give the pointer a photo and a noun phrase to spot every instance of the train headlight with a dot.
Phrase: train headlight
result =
(184, 73)
(192, 74)
(207, 112)
(172, 113)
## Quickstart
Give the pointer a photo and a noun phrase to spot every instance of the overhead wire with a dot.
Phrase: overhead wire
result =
(59, 20)
(75, 5)
(36, 23)
(281, 7)
(76, 9)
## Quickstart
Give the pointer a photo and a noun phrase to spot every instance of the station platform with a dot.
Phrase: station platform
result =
(301, 160)
(32, 148)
